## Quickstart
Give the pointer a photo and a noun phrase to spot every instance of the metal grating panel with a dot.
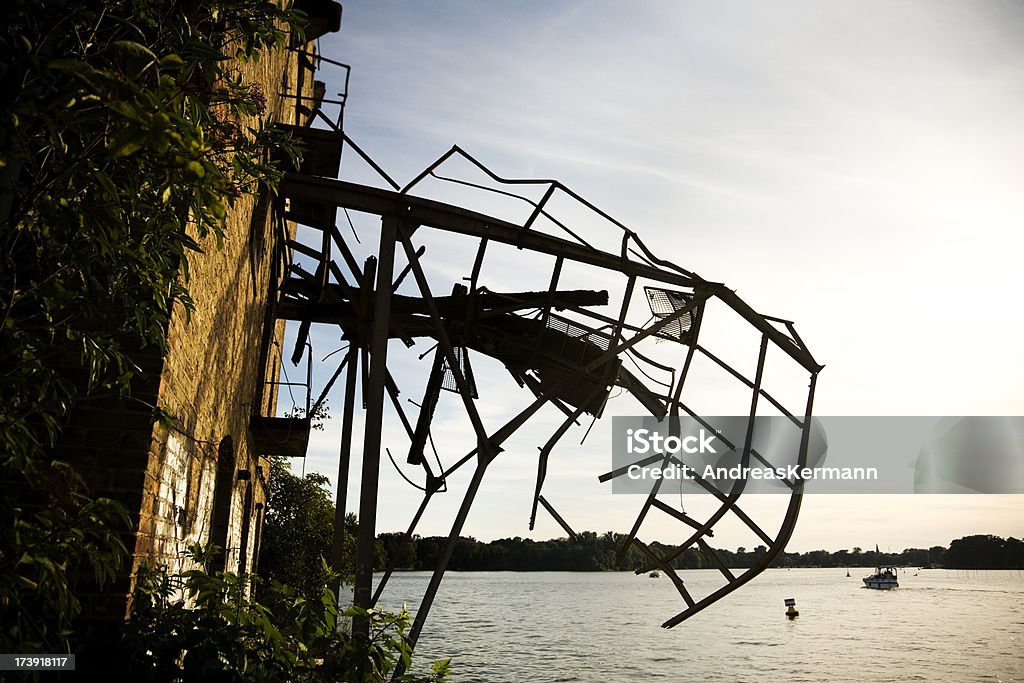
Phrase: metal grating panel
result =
(665, 302)
(448, 378)
(571, 329)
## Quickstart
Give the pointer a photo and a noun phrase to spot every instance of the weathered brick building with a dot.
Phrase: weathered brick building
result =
(203, 479)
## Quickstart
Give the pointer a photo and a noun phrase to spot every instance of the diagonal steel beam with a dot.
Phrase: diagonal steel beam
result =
(487, 450)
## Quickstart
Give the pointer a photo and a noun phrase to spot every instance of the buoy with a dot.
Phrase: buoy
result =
(791, 610)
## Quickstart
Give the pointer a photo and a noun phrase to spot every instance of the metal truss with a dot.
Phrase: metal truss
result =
(555, 340)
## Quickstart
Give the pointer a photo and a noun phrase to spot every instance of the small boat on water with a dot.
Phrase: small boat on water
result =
(884, 578)
(654, 574)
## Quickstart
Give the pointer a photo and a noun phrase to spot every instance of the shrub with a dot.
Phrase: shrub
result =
(201, 626)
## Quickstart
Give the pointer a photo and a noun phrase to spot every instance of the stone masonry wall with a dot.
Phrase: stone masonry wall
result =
(219, 359)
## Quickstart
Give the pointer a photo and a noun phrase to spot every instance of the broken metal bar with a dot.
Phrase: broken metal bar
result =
(607, 476)
(710, 553)
(680, 515)
(405, 539)
(303, 249)
(558, 518)
(478, 262)
(327, 387)
(301, 340)
(322, 269)
(503, 433)
(676, 395)
(344, 458)
(428, 170)
(487, 451)
(792, 330)
(677, 581)
(346, 253)
(627, 295)
(405, 271)
(366, 157)
(427, 406)
(642, 258)
(735, 373)
(545, 452)
(642, 515)
(393, 392)
(538, 208)
(649, 361)
(442, 563)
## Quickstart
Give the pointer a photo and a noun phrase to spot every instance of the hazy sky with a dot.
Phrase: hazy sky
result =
(855, 167)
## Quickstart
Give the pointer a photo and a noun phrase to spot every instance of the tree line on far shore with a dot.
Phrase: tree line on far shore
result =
(590, 551)
(300, 522)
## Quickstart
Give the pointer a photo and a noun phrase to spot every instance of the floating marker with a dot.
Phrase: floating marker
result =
(791, 610)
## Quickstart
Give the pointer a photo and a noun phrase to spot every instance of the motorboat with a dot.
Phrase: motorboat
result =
(654, 574)
(884, 578)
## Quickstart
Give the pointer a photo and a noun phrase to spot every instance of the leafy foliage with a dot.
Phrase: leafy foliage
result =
(985, 552)
(127, 133)
(226, 636)
(72, 535)
(298, 530)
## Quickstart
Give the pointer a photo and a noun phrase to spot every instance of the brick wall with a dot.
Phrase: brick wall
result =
(212, 380)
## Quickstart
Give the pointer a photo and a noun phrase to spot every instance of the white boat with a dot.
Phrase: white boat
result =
(884, 578)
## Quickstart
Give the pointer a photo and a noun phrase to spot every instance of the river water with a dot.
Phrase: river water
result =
(940, 625)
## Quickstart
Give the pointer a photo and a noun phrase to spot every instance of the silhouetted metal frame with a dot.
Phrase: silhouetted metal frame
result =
(400, 215)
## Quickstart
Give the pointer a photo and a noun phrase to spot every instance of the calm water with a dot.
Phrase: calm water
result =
(552, 626)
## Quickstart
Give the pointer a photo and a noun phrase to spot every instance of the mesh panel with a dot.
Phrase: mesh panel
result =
(575, 331)
(665, 302)
(448, 378)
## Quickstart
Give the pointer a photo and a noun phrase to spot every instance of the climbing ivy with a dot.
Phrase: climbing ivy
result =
(126, 134)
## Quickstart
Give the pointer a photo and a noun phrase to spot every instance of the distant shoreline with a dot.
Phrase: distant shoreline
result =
(590, 552)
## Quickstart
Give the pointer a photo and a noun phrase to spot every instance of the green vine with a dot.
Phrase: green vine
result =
(127, 135)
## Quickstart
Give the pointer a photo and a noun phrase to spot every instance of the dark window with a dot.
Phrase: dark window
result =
(220, 513)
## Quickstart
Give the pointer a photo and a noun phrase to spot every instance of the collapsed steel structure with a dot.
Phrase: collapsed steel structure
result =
(556, 342)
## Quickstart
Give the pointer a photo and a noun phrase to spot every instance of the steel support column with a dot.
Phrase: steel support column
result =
(377, 345)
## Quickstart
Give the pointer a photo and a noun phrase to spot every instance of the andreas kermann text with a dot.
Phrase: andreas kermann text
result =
(778, 454)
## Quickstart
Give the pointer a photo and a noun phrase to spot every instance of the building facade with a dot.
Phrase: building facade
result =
(200, 475)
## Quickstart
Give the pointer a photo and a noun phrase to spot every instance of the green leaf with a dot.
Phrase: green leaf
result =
(195, 169)
(133, 48)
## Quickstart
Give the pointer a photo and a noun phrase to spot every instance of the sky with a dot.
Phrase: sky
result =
(854, 167)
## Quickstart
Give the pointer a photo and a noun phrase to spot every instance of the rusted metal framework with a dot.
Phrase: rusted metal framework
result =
(566, 344)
